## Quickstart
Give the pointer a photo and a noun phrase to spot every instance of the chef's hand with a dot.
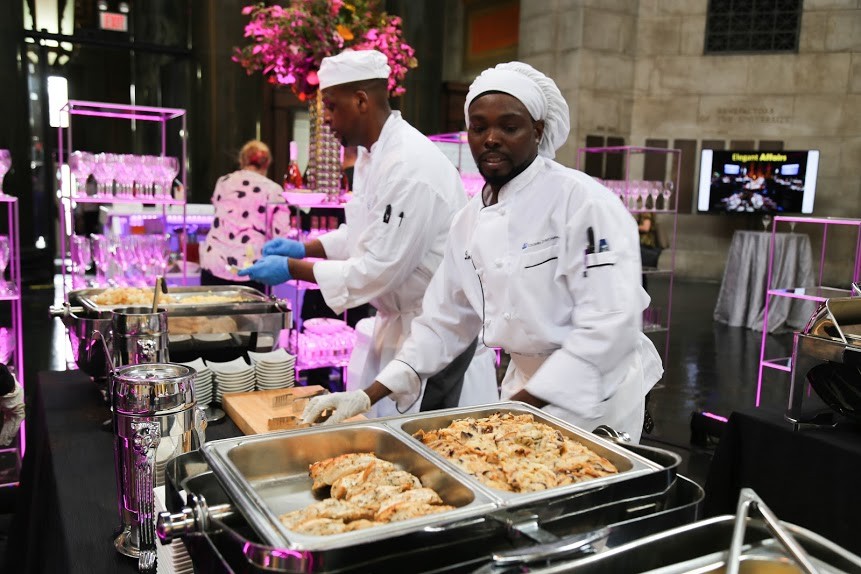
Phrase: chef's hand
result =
(346, 405)
(271, 270)
(284, 247)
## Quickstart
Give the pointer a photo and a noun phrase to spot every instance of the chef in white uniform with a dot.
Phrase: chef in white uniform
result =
(405, 195)
(544, 263)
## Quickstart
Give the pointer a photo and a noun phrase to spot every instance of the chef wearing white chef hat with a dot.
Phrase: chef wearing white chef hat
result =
(544, 263)
(405, 195)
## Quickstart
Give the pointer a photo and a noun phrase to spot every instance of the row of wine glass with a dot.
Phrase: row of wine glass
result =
(123, 175)
(134, 260)
(635, 194)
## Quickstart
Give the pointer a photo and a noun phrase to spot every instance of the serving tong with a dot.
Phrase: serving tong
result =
(748, 500)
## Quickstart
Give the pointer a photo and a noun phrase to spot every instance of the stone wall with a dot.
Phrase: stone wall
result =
(637, 69)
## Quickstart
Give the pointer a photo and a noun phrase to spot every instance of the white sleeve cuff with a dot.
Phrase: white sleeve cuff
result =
(403, 381)
(330, 277)
(335, 243)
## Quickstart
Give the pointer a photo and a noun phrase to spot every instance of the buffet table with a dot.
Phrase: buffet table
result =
(807, 477)
(741, 301)
(67, 505)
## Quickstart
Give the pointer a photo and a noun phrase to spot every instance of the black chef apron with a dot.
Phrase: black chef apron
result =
(442, 390)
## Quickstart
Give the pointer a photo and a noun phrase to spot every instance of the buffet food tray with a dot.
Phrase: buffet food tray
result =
(267, 475)
(630, 465)
(217, 511)
(249, 300)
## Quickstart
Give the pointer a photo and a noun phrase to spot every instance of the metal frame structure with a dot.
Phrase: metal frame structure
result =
(123, 112)
(13, 296)
(818, 294)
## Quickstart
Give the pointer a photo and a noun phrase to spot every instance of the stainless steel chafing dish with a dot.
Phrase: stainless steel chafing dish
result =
(827, 356)
(721, 544)
(224, 501)
(255, 313)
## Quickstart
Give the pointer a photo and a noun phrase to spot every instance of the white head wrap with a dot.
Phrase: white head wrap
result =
(353, 66)
(536, 91)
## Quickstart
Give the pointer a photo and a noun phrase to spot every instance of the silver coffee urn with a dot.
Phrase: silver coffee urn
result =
(155, 418)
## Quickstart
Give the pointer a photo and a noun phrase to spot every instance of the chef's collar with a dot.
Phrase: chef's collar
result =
(393, 118)
(522, 180)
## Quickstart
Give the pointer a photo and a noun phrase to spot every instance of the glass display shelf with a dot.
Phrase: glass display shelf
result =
(811, 293)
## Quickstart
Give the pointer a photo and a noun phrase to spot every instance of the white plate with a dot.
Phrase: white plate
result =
(236, 365)
(197, 364)
(276, 356)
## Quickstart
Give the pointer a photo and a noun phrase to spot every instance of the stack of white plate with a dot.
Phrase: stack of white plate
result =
(202, 382)
(234, 376)
(274, 370)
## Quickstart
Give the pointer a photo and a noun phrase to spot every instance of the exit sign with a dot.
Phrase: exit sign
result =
(113, 21)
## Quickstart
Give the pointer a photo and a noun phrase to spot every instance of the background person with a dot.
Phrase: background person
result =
(544, 263)
(405, 195)
(240, 200)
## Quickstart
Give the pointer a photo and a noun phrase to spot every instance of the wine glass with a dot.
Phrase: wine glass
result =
(669, 188)
(5, 165)
(101, 252)
(654, 192)
(643, 187)
(81, 164)
(4, 261)
(81, 259)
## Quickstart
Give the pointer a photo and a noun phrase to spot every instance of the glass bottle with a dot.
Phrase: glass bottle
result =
(293, 177)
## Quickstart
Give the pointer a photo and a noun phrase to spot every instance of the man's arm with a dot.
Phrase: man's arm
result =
(402, 227)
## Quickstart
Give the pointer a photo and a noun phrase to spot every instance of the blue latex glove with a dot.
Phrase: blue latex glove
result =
(270, 270)
(284, 247)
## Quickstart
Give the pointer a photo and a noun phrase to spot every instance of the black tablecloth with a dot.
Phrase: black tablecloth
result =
(809, 477)
(67, 514)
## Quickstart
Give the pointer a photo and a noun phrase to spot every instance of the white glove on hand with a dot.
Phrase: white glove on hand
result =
(346, 405)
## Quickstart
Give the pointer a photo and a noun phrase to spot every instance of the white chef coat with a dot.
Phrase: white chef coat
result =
(12, 409)
(518, 273)
(405, 195)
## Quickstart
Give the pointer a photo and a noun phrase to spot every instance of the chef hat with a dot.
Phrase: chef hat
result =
(353, 66)
(536, 91)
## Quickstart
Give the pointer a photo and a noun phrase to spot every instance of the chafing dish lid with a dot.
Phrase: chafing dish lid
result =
(153, 388)
(837, 319)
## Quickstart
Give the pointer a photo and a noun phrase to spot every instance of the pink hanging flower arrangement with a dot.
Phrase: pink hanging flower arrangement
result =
(287, 43)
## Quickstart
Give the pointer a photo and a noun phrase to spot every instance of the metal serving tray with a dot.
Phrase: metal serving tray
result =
(267, 475)
(702, 547)
(630, 465)
(251, 298)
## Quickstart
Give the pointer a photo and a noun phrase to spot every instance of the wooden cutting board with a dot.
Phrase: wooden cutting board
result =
(252, 411)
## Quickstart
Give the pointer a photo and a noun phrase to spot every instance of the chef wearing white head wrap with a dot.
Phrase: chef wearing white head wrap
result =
(545, 264)
(536, 91)
(353, 66)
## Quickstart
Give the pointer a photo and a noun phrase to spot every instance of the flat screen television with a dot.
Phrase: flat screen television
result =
(779, 182)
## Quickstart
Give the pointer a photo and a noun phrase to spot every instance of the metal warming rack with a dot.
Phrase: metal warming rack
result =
(191, 325)
(827, 356)
(224, 501)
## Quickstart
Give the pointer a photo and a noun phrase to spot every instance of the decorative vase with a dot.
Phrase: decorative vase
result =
(324, 163)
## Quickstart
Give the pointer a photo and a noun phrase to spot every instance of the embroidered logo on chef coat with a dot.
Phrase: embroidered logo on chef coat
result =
(528, 245)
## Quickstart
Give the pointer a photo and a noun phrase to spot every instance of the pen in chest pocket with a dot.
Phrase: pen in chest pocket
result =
(590, 249)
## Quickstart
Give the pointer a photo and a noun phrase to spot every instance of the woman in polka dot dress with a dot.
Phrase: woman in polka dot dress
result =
(238, 231)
